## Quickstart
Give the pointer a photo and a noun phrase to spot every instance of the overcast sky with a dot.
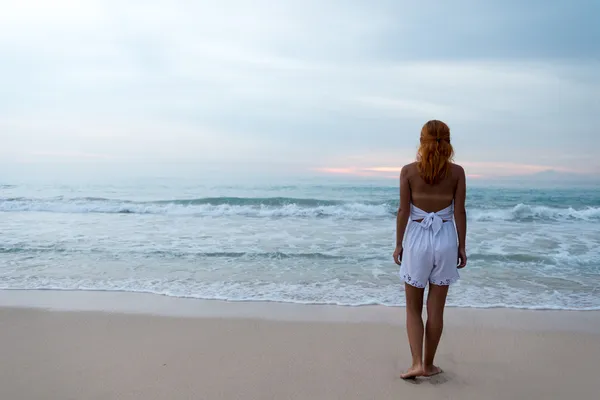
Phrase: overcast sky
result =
(339, 86)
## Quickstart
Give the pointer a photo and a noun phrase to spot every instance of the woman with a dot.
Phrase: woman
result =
(432, 194)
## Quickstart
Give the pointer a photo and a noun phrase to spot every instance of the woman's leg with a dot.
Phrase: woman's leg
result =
(414, 327)
(436, 301)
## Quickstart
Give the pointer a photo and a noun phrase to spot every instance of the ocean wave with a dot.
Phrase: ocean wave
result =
(525, 213)
(214, 201)
(253, 201)
(206, 207)
(588, 259)
(277, 255)
(280, 207)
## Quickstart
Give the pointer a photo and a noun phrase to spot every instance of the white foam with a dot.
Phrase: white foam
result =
(349, 210)
(528, 212)
(356, 210)
(330, 292)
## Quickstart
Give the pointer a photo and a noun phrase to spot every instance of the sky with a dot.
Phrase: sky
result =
(333, 87)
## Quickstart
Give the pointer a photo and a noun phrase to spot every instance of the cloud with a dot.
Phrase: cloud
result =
(300, 83)
(484, 170)
(36, 155)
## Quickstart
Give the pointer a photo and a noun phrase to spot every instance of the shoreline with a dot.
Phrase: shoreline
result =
(293, 302)
(166, 306)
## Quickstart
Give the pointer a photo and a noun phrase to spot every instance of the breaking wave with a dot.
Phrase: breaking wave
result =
(280, 207)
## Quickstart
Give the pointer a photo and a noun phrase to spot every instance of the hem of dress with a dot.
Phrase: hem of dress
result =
(412, 283)
(446, 282)
(417, 284)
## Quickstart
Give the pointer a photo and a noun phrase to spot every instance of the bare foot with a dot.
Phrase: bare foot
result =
(432, 370)
(413, 372)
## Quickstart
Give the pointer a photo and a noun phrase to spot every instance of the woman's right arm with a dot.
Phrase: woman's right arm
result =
(460, 215)
(403, 214)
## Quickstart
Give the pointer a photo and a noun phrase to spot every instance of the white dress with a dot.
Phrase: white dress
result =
(430, 248)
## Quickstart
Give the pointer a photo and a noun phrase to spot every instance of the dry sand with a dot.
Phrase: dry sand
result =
(64, 355)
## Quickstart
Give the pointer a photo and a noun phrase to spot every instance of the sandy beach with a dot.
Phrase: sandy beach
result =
(105, 348)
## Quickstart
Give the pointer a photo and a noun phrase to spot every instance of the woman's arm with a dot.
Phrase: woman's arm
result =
(460, 215)
(404, 209)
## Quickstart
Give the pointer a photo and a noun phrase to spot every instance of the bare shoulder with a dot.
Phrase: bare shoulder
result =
(408, 169)
(458, 171)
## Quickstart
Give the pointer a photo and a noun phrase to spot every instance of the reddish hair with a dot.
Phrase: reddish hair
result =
(435, 154)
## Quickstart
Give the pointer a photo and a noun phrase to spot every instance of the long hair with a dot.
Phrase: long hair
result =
(435, 153)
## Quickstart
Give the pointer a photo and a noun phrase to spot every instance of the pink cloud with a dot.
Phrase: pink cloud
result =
(509, 169)
(475, 170)
(347, 171)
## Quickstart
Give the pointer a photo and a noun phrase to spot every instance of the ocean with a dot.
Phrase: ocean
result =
(310, 242)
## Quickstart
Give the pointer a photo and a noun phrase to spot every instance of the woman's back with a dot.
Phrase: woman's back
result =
(433, 197)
